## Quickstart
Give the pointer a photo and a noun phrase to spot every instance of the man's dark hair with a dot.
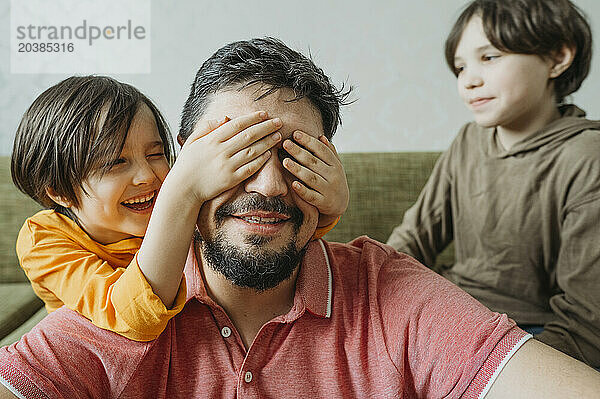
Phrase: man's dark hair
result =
(266, 61)
(74, 128)
(539, 27)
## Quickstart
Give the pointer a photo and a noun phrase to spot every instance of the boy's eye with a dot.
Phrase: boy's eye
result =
(490, 57)
(458, 69)
(116, 162)
(157, 155)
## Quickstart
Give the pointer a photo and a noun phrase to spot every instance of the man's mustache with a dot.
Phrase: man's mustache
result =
(258, 202)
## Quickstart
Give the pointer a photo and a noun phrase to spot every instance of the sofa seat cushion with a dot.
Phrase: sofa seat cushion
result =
(16, 335)
(17, 304)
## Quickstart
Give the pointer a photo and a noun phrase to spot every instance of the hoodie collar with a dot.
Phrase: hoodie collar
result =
(571, 123)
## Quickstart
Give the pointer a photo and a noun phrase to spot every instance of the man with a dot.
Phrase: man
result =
(272, 314)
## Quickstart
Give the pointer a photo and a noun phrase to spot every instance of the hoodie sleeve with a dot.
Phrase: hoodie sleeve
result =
(426, 229)
(576, 305)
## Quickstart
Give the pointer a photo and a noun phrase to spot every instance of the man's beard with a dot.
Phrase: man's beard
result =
(256, 268)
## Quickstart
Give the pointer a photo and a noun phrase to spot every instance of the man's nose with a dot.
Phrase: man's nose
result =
(270, 179)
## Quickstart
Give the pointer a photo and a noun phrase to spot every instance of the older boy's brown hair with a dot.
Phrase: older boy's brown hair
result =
(75, 128)
(540, 27)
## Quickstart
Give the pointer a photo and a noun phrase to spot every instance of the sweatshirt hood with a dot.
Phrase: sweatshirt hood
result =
(572, 123)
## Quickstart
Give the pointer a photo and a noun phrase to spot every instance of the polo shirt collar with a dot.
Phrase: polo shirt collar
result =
(314, 285)
(315, 280)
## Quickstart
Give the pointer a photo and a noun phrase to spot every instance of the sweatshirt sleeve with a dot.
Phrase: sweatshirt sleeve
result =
(116, 299)
(576, 328)
(321, 231)
(427, 226)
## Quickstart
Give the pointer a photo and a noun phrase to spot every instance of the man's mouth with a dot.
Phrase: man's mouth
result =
(141, 202)
(260, 214)
(256, 218)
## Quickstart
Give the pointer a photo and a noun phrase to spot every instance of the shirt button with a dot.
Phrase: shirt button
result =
(226, 331)
(248, 376)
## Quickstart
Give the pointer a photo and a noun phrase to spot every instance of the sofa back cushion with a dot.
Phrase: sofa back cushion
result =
(382, 187)
(15, 207)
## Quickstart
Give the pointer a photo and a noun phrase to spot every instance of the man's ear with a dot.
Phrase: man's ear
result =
(60, 200)
(562, 61)
(180, 140)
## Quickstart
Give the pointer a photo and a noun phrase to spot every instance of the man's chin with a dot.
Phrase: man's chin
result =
(259, 262)
(257, 241)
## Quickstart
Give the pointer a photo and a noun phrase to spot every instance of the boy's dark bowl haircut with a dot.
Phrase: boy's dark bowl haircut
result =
(73, 129)
(538, 27)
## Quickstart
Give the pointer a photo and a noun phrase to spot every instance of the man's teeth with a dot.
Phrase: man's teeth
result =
(140, 199)
(259, 220)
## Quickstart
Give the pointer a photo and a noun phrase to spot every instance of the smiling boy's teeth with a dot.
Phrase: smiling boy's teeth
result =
(140, 199)
(256, 219)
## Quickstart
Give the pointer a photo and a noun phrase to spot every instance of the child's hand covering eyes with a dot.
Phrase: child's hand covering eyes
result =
(322, 177)
(233, 151)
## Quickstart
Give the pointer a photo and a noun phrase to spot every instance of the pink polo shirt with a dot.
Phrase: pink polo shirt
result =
(366, 322)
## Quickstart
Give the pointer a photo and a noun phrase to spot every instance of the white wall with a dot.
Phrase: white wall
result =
(391, 51)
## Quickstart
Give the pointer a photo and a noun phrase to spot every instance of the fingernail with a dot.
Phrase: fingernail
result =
(297, 135)
(263, 114)
(277, 122)
(276, 136)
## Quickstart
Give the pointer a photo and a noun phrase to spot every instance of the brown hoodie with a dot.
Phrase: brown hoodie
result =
(525, 224)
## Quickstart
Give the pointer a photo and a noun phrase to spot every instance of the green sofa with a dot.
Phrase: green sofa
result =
(20, 309)
(382, 187)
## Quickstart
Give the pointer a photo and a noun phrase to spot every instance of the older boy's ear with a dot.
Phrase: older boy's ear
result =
(60, 200)
(562, 61)
(180, 140)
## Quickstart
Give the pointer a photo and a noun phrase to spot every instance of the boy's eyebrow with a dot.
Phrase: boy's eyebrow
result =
(486, 47)
(480, 49)
(156, 144)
